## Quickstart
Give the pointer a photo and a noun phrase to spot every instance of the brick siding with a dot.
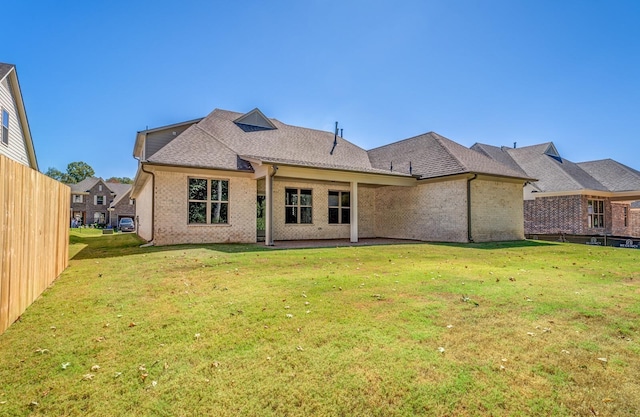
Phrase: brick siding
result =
(429, 211)
(171, 212)
(497, 212)
(569, 215)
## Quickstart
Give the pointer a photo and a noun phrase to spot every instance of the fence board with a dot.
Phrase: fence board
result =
(34, 236)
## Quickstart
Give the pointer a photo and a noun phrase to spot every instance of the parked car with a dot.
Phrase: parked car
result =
(126, 225)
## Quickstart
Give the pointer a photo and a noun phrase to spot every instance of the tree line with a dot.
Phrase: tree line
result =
(78, 171)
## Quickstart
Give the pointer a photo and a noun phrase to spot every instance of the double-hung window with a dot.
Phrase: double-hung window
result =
(77, 198)
(208, 201)
(339, 207)
(99, 200)
(298, 206)
(595, 212)
(5, 127)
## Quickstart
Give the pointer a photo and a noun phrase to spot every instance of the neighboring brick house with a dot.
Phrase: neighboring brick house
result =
(100, 203)
(586, 199)
(233, 177)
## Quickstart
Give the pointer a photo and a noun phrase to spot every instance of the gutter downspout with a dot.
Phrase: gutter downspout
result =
(469, 236)
(153, 203)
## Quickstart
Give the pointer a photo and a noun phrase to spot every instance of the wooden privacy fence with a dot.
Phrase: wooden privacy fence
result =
(34, 236)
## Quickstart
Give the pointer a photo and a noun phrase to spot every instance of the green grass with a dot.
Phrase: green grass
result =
(231, 330)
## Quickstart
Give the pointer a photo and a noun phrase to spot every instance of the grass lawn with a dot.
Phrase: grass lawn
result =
(521, 328)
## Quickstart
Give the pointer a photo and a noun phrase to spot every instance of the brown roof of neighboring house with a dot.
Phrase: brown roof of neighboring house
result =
(431, 155)
(543, 162)
(85, 185)
(557, 174)
(612, 174)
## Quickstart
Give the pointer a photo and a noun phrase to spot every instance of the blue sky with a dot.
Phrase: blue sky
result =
(93, 73)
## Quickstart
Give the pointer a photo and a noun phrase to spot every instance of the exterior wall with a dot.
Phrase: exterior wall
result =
(144, 211)
(568, 215)
(171, 209)
(320, 228)
(16, 149)
(496, 211)
(634, 223)
(92, 208)
(366, 212)
(555, 215)
(88, 206)
(618, 228)
(430, 211)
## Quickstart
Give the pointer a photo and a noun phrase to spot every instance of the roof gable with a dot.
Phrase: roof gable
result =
(543, 161)
(254, 121)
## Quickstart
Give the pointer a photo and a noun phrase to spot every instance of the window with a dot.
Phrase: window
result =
(98, 200)
(99, 187)
(5, 127)
(625, 213)
(208, 201)
(595, 211)
(297, 206)
(77, 198)
(339, 207)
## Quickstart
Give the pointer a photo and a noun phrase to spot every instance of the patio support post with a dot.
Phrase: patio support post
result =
(354, 212)
(268, 218)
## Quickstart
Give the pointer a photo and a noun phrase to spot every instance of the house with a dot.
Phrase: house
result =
(585, 199)
(96, 202)
(233, 177)
(15, 136)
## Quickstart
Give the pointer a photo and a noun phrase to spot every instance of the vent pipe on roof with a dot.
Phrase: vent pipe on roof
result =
(514, 144)
(335, 139)
(391, 166)
(341, 129)
(410, 169)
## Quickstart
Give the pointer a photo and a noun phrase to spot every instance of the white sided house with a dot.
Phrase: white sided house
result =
(15, 136)
(232, 177)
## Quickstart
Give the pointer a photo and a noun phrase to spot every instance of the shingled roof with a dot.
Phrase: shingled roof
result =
(431, 155)
(612, 174)
(557, 174)
(88, 183)
(221, 140)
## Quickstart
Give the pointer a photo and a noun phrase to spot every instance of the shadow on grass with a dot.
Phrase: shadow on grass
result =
(500, 245)
(126, 244)
(95, 246)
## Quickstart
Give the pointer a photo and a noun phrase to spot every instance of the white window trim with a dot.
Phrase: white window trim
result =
(2, 127)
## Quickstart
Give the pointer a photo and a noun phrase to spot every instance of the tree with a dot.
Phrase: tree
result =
(56, 174)
(121, 180)
(76, 172)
